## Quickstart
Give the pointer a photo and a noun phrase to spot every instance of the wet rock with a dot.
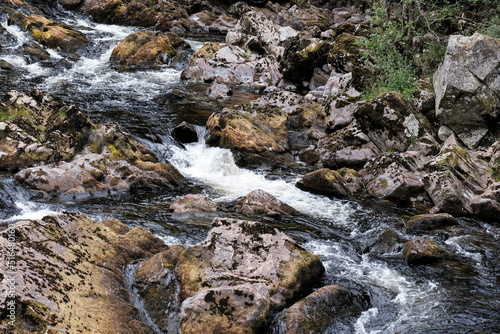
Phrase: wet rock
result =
(466, 85)
(158, 285)
(193, 203)
(259, 202)
(422, 251)
(301, 56)
(341, 183)
(54, 35)
(260, 130)
(387, 242)
(70, 274)
(92, 158)
(160, 15)
(318, 311)
(146, 48)
(487, 205)
(394, 177)
(427, 222)
(242, 268)
(185, 133)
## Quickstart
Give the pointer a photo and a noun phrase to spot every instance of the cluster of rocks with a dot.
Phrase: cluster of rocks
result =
(76, 275)
(56, 150)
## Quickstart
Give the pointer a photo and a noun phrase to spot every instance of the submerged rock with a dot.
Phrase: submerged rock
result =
(317, 312)
(467, 87)
(70, 274)
(240, 274)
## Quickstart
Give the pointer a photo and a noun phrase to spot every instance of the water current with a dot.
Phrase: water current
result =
(461, 295)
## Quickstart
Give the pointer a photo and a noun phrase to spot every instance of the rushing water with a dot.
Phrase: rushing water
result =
(457, 296)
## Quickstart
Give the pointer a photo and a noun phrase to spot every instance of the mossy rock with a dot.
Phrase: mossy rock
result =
(423, 251)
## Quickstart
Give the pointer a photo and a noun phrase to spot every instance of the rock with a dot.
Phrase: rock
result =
(422, 251)
(76, 156)
(70, 274)
(250, 130)
(158, 285)
(193, 203)
(185, 133)
(71, 4)
(319, 310)
(243, 256)
(160, 15)
(219, 91)
(54, 35)
(255, 32)
(467, 87)
(301, 56)
(97, 175)
(390, 122)
(394, 178)
(146, 48)
(341, 184)
(228, 309)
(302, 18)
(444, 133)
(259, 202)
(387, 242)
(487, 205)
(427, 222)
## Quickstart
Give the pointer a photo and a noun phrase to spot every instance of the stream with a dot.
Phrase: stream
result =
(461, 295)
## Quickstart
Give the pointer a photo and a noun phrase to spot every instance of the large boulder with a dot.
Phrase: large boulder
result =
(239, 275)
(69, 275)
(54, 35)
(259, 202)
(146, 48)
(318, 311)
(342, 183)
(193, 203)
(427, 222)
(467, 86)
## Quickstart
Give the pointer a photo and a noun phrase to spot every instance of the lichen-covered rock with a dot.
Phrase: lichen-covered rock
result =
(341, 183)
(158, 285)
(70, 274)
(318, 311)
(467, 86)
(54, 35)
(487, 205)
(193, 203)
(426, 222)
(303, 17)
(146, 48)
(237, 253)
(76, 156)
(185, 133)
(390, 122)
(259, 202)
(260, 131)
(421, 251)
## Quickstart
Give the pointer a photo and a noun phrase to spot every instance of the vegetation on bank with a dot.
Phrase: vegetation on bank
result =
(408, 39)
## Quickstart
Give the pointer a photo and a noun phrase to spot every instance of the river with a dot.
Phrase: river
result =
(461, 295)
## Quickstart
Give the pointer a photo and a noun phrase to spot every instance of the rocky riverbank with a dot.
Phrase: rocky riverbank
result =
(435, 154)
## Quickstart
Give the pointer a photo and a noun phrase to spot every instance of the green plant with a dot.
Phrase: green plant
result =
(447, 173)
(245, 54)
(492, 28)
(249, 104)
(414, 139)
(390, 150)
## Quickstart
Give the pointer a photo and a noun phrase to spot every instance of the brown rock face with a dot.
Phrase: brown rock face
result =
(341, 183)
(70, 274)
(240, 273)
(428, 222)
